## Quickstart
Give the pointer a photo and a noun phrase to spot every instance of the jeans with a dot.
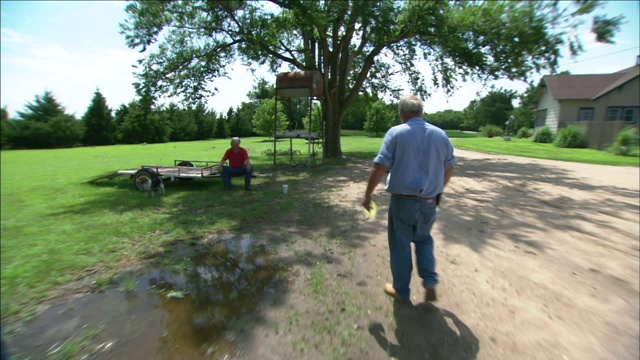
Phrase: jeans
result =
(410, 220)
(229, 172)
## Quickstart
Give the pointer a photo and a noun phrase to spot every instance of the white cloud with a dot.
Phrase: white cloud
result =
(11, 36)
(71, 74)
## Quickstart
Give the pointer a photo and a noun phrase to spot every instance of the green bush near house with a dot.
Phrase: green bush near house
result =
(626, 141)
(543, 135)
(491, 131)
(524, 133)
(571, 137)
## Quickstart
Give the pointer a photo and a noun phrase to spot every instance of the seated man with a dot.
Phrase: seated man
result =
(238, 165)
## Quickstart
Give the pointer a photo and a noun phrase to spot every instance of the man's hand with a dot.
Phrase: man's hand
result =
(248, 167)
(366, 202)
(375, 174)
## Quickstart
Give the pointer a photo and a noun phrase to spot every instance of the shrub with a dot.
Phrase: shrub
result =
(570, 137)
(543, 135)
(524, 133)
(626, 140)
(491, 131)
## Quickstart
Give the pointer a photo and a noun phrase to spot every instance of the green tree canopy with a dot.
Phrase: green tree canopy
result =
(380, 118)
(492, 109)
(98, 122)
(447, 119)
(524, 115)
(263, 120)
(354, 44)
(261, 90)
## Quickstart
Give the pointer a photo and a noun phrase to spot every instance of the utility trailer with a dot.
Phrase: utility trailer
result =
(181, 170)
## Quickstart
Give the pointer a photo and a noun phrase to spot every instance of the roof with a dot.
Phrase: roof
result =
(574, 87)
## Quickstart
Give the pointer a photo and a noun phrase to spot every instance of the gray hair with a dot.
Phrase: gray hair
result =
(410, 104)
(235, 139)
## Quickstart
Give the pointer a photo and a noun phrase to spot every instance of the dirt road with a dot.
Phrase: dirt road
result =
(537, 260)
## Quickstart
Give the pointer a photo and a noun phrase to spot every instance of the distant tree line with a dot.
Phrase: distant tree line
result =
(44, 124)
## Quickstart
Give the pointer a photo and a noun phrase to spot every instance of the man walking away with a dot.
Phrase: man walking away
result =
(419, 159)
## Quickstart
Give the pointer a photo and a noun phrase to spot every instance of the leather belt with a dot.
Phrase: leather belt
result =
(428, 199)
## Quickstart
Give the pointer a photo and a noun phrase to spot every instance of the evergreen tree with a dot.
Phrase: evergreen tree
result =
(205, 123)
(222, 129)
(4, 127)
(44, 109)
(45, 125)
(182, 123)
(134, 125)
(242, 125)
(98, 121)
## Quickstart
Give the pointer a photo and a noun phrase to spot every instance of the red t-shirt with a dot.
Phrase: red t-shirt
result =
(236, 160)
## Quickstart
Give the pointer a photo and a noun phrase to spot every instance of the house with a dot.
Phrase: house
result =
(600, 104)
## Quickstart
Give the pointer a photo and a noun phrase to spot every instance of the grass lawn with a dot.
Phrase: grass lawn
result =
(57, 228)
(528, 148)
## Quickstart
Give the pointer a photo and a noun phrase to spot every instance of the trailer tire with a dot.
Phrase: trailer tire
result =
(187, 164)
(145, 173)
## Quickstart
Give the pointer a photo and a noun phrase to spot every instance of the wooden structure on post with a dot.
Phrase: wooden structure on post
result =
(297, 84)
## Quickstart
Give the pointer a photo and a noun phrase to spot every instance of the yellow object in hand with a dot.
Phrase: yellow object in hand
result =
(371, 213)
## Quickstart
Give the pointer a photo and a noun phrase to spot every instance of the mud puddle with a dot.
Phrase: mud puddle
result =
(195, 309)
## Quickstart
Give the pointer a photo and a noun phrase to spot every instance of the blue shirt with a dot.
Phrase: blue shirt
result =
(416, 154)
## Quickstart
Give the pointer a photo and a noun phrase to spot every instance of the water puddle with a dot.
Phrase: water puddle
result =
(194, 310)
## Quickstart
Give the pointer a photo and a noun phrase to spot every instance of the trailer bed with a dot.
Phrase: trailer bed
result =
(182, 169)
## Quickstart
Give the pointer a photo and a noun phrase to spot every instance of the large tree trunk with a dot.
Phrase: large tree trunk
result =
(333, 124)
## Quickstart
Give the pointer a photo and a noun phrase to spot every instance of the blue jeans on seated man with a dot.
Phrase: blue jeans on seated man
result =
(410, 220)
(229, 172)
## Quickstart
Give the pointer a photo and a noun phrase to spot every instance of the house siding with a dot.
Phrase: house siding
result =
(600, 133)
(553, 109)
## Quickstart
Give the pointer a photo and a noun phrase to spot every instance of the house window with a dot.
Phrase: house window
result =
(629, 114)
(586, 114)
(541, 117)
(613, 113)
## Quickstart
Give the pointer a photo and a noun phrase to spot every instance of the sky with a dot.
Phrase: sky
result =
(73, 48)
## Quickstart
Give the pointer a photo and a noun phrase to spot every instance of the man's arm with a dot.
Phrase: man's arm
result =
(377, 170)
(222, 161)
(247, 163)
(448, 172)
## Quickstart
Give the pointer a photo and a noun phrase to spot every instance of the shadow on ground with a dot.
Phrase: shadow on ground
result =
(425, 331)
(508, 197)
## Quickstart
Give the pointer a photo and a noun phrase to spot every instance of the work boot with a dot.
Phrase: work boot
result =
(430, 294)
(389, 290)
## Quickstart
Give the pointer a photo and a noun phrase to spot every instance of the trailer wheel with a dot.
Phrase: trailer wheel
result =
(187, 164)
(144, 173)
